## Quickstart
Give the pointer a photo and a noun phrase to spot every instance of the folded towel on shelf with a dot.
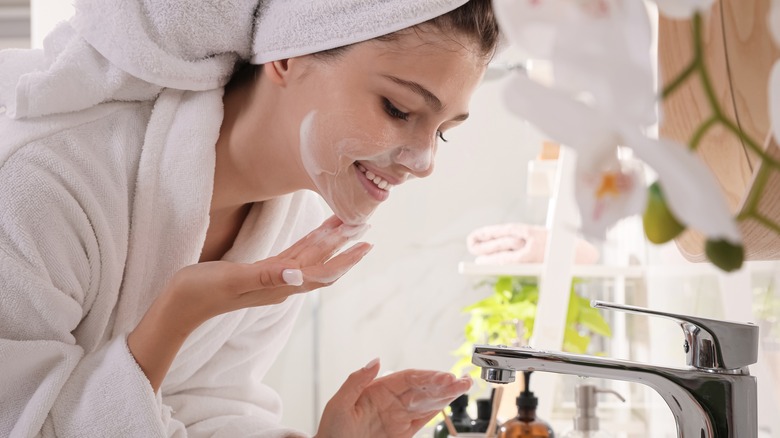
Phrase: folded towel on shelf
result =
(519, 243)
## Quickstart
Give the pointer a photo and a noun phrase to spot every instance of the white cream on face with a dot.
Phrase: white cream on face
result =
(330, 162)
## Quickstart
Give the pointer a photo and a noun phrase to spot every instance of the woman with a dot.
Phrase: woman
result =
(152, 260)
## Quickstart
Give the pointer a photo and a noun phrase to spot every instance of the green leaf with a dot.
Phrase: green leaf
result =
(573, 312)
(574, 342)
(591, 319)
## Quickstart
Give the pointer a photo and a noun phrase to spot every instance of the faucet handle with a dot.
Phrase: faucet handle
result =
(710, 344)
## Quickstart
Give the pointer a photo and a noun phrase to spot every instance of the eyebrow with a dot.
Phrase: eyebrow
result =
(430, 98)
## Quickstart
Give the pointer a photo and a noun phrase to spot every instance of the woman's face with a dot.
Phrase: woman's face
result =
(372, 117)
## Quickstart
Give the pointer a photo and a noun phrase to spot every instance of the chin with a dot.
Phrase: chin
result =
(353, 217)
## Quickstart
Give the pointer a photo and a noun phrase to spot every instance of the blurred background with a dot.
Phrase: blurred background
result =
(405, 302)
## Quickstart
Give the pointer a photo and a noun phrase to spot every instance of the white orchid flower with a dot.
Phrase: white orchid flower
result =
(608, 195)
(598, 48)
(600, 53)
(773, 21)
(691, 190)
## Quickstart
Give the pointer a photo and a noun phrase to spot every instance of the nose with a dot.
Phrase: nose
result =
(419, 158)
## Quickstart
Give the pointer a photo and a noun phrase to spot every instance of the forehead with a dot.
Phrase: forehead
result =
(436, 59)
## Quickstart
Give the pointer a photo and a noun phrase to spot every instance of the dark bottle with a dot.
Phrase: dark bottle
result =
(484, 408)
(460, 419)
(526, 425)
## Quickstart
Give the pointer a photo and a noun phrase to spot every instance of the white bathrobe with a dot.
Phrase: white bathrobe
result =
(98, 208)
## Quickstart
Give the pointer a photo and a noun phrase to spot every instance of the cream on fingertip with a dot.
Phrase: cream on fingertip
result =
(371, 364)
(293, 277)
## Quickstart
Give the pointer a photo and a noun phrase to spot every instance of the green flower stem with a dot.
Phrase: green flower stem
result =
(750, 143)
(751, 204)
(704, 75)
(709, 90)
(699, 67)
(763, 220)
(699, 134)
(680, 79)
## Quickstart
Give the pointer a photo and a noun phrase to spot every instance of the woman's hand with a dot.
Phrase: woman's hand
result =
(397, 405)
(199, 292)
(205, 290)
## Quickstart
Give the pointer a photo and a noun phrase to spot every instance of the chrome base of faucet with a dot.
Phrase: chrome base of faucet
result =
(705, 404)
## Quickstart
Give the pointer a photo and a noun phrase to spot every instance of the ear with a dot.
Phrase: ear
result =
(278, 71)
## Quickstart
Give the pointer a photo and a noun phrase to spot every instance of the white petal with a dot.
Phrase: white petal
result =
(609, 58)
(774, 100)
(691, 191)
(530, 25)
(773, 21)
(598, 214)
(561, 118)
(682, 8)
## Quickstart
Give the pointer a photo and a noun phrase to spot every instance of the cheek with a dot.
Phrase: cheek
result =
(332, 142)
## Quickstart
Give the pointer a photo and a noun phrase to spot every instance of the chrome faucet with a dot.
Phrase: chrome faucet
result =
(714, 397)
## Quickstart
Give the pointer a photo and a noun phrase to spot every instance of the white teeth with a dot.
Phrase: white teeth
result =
(376, 179)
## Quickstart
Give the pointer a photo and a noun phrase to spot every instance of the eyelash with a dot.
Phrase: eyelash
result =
(398, 114)
(393, 111)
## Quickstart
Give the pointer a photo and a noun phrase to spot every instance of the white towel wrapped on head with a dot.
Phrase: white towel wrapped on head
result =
(130, 50)
(286, 29)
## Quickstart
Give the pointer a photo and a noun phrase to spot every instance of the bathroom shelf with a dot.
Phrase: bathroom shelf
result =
(605, 271)
(535, 270)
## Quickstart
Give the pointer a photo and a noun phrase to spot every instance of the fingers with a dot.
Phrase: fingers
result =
(264, 274)
(422, 421)
(330, 271)
(331, 223)
(353, 387)
(271, 281)
(432, 391)
(323, 242)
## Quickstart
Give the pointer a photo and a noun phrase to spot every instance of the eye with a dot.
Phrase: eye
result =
(441, 136)
(393, 111)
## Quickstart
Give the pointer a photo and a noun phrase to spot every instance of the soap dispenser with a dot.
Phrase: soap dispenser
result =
(526, 424)
(586, 423)
(484, 409)
(460, 419)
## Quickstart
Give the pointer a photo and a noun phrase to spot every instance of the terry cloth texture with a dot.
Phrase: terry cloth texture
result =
(130, 50)
(100, 208)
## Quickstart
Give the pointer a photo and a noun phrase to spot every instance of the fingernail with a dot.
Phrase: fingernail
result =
(371, 364)
(293, 277)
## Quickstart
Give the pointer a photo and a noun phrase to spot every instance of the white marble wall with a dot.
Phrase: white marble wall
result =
(402, 303)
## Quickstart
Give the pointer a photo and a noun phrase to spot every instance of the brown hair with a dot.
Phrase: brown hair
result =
(476, 20)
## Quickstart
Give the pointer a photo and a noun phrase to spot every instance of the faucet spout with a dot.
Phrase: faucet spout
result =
(704, 405)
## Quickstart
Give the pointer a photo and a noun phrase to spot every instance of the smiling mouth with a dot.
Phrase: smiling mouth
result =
(380, 183)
